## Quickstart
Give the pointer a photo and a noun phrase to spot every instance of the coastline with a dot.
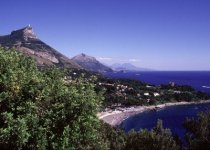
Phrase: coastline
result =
(117, 116)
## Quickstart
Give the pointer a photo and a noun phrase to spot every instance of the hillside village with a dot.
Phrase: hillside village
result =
(125, 92)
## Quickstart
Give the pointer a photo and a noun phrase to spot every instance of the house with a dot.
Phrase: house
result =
(146, 94)
(156, 94)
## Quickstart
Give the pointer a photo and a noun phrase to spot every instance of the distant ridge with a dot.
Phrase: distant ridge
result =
(128, 67)
(90, 63)
(25, 41)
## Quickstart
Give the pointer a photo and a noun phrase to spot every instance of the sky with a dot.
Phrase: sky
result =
(155, 34)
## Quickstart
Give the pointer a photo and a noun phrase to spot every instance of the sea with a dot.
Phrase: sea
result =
(172, 116)
(200, 80)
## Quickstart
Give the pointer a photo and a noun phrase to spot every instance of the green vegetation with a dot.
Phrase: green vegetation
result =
(41, 110)
(114, 138)
(125, 92)
(55, 109)
(198, 136)
(156, 139)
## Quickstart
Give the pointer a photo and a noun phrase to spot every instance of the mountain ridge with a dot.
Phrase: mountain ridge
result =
(128, 67)
(25, 41)
(90, 63)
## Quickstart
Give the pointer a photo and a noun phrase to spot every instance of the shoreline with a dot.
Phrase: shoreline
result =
(117, 116)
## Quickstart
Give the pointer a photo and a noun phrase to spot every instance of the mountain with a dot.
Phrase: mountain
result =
(128, 67)
(90, 63)
(25, 41)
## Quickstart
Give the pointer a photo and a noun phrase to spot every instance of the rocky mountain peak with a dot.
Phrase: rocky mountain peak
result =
(83, 55)
(25, 41)
(90, 63)
(25, 33)
(84, 58)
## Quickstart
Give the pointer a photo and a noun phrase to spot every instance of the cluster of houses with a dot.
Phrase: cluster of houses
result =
(121, 89)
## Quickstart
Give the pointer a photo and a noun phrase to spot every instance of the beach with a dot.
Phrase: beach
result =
(117, 116)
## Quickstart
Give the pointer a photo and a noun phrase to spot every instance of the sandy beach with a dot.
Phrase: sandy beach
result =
(117, 116)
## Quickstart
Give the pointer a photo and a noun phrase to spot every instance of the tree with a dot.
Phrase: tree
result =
(156, 139)
(198, 136)
(112, 138)
(18, 93)
(42, 110)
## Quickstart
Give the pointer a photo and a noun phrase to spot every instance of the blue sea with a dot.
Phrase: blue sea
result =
(173, 116)
(200, 80)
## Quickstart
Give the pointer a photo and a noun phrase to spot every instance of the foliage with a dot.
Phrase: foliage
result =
(126, 92)
(185, 88)
(198, 136)
(42, 110)
(48, 109)
(113, 138)
(156, 139)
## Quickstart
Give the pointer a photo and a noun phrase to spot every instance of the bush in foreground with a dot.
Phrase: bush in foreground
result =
(40, 110)
(198, 136)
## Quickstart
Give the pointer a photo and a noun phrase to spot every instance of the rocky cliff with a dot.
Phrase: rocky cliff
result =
(26, 42)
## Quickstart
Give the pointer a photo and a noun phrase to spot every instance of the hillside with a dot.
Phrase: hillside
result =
(25, 41)
(90, 63)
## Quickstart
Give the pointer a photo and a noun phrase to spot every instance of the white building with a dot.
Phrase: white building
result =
(156, 94)
(146, 94)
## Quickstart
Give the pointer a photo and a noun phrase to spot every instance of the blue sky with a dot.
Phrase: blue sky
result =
(158, 34)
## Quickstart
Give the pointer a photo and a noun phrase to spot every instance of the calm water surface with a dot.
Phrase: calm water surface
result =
(172, 116)
(200, 80)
